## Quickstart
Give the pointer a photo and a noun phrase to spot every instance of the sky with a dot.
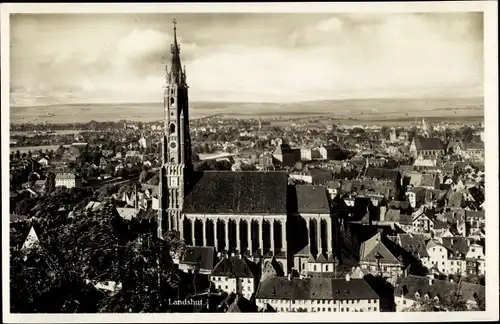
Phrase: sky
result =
(97, 58)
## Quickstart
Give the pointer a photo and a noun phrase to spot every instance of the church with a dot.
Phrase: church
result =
(250, 213)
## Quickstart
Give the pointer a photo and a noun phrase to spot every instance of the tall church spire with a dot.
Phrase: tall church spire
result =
(176, 75)
(176, 144)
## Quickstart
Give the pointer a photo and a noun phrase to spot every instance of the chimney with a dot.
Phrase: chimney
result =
(431, 281)
(347, 277)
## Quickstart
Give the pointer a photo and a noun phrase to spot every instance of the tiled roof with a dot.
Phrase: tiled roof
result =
(312, 199)
(243, 192)
(315, 289)
(456, 244)
(428, 143)
(413, 244)
(234, 267)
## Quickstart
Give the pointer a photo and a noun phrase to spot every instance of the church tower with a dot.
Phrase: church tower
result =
(176, 144)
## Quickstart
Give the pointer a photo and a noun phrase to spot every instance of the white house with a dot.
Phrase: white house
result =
(476, 260)
(325, 295)
(68, 180)
(44, 161)
(233, 275)
(444, 260)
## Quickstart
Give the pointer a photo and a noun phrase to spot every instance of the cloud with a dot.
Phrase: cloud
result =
(339, 56)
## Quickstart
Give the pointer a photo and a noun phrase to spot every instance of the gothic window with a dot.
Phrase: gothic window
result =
(172, 101)
(172, 128)
(172, 160)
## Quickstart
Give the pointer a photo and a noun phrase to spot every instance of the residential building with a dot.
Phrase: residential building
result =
(416, 197)
(376, 258)
(68, 180)
(410, 288)
(476, 260)
(324, 295)
(233, 275)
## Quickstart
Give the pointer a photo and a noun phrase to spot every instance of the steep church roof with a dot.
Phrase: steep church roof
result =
(238, 192)
(428, 143)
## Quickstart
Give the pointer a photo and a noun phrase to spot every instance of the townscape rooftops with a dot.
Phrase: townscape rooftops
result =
(315, 289)
(382, 174)
(414, 244)
(409, 285)
(242, 192)
(312, 199)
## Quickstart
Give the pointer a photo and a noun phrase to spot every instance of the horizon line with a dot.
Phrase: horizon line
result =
(253, 102)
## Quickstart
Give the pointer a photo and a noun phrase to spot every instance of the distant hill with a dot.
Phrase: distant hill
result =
(356, 108)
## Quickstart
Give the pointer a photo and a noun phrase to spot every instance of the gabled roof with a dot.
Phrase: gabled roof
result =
(312, 199)
(31, 239)
(305, 252)
(241, 192)
(127, 213)
(456, 244)
(234, 267)
(321, 258)
(373, 249)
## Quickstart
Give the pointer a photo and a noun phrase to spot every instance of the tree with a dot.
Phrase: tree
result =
(144, 176)
(32, 178)
(467, 134)
(449, 302)
(99, 247)
(50, 184)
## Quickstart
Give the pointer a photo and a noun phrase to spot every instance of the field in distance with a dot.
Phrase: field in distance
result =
(360, 110)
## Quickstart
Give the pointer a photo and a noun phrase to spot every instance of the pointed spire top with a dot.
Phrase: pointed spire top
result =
(174, 21)
(176, 75)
